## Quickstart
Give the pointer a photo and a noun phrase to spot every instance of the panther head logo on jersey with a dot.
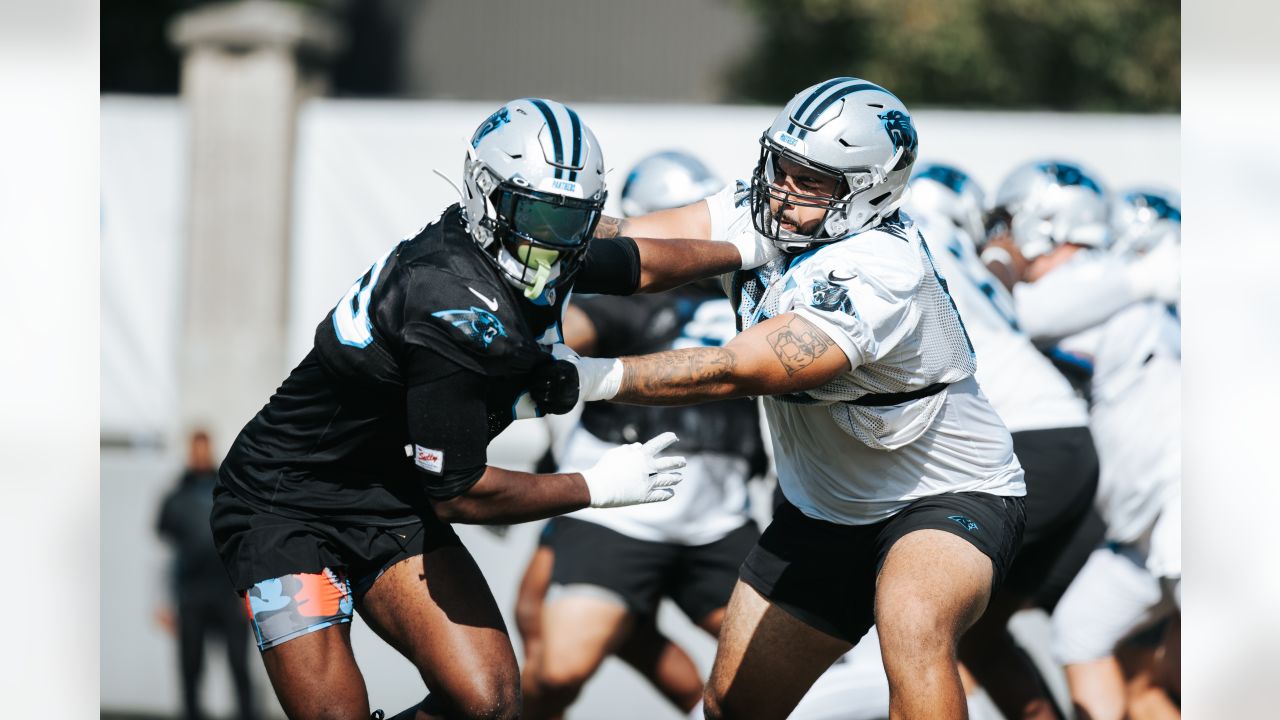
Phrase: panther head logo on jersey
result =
(478, 324)
(903, 135)
(832, 298)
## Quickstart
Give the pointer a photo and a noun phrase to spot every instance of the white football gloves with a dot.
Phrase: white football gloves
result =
(598, 378)
(634, 474)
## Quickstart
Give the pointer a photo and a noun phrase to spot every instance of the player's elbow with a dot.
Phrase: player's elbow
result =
(457, 509)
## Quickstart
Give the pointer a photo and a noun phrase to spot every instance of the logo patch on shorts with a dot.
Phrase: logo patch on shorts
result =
(428, 459)
(964, 522)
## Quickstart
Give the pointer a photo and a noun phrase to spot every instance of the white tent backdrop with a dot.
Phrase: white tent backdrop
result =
(363, 181)
(144, 180)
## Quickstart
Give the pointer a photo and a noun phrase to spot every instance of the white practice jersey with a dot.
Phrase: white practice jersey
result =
(1022, 384)
(1136, 416)
(1088, 288)
(879, 298)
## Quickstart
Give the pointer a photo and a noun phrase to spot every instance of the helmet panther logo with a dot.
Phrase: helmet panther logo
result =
(1158, 205)
(902, 133)
(948, 177)
(1070, 175)
(493, 122)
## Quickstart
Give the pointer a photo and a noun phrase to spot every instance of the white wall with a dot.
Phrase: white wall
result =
(363, 181)
(144, 180)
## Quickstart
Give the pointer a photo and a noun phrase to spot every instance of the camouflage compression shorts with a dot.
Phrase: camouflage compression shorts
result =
(291, 606)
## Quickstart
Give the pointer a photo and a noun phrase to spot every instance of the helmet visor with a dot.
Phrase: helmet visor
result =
(547, 220)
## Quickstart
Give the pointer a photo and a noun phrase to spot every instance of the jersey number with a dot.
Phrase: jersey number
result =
(351, 316)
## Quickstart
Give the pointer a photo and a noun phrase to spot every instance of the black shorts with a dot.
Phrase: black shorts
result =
(1061, 467)
(698, 578)
(825, 574)
(549, 530)
(257, 545)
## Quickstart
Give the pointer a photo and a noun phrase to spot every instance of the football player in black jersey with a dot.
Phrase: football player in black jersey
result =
(338, 495)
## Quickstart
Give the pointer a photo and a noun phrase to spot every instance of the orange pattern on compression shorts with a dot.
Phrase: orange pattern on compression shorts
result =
(320, 595)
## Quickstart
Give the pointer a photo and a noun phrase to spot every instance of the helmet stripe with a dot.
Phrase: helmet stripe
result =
(833, 97)
(556, 144)
(576, 125)
(791, 128)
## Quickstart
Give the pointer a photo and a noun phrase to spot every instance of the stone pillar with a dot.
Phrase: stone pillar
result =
(246, 68)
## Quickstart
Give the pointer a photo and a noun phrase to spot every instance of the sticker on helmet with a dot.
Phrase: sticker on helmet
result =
(790, 141)
(561, 187)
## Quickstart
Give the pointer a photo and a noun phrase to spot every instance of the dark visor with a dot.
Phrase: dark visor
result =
(548, 219)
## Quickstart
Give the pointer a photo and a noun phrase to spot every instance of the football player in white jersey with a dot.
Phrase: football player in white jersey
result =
(1051, 437)
(1132, 361)
(904, 497)
(612, 568)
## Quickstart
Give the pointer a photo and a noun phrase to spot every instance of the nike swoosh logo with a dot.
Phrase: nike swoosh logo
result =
(492, 304)
(836, 278)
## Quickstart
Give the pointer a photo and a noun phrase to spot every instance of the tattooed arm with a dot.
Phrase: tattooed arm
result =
(782, 355)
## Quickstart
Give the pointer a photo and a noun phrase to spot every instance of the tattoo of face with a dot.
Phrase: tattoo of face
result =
(609, 227)
(798, 344)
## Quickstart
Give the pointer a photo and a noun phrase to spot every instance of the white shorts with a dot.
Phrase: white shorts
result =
(1113, 597)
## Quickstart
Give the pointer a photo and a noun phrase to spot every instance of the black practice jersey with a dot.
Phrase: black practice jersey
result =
(697, 315)
(422, 362)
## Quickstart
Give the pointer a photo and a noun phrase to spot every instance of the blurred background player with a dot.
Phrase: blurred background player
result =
(1051, 438)
(611, 568)
(206, 604)
(1045, 213)
(1130, 359)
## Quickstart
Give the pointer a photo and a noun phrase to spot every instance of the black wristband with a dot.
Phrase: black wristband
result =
(612, 267)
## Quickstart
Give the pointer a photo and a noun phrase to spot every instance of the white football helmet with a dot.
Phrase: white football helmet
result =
(1047, 203)
(667, 180)
(1142, 218)
(534, 189)
(949, 192)
(846, 128)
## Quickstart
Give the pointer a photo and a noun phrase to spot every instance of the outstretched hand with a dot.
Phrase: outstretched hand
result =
(635, 474)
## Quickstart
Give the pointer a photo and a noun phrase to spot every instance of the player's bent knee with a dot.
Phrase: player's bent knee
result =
(500, 703)
(562, 679)
(916, 624)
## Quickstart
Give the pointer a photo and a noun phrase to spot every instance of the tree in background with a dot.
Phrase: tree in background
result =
(1103, 55)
